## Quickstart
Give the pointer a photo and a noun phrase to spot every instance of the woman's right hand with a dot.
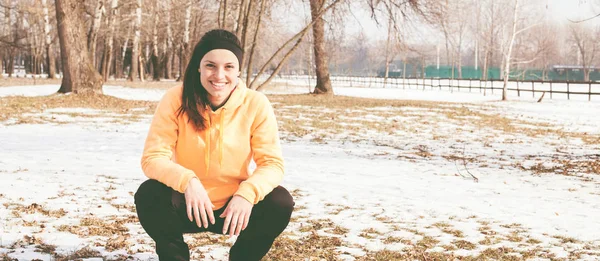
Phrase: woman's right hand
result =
(198, 204)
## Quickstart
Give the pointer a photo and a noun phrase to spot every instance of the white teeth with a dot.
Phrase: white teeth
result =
(219, 84)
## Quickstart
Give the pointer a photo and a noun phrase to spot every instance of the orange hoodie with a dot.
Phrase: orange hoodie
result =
(244, 129)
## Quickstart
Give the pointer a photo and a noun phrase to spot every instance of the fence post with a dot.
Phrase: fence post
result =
(568, 92)
(532, 90)
(518, 90)
(590, 92)
(492, 85)
(550, 90)
(469, 84)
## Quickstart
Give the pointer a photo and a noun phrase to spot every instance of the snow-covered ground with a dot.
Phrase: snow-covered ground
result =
(89, 168)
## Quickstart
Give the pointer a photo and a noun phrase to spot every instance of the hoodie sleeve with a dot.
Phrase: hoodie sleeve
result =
(266, 148)
(160, 143)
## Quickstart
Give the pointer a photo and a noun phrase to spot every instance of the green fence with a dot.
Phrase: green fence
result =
(469, 72)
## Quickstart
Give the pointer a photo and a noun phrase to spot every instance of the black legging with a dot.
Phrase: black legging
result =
(162, 213)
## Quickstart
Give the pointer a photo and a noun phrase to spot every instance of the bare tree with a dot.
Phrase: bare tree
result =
(509, 48)
(94, 28)
(109, 46)
(48, 42)
(135, 54)
(586, 44)
(184, 50)
(169, 41)
(254, 41)
(321, 60)
(154, 56)
(80, 76)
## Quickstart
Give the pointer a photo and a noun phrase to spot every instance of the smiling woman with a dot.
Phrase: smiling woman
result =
(202, 139)
(219, 72)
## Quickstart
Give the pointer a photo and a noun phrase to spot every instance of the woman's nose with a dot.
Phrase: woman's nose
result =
(220, 73)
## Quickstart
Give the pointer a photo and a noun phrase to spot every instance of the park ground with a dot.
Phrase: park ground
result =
(451, 178)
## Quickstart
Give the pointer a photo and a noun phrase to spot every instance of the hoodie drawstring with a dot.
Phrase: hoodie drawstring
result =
(221, 134)
(207, 149)
(208, 142)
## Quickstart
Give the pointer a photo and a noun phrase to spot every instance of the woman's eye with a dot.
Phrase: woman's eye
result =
(210, 65)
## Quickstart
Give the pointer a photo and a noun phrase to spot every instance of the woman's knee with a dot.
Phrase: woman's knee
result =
(281, 200)
(148, 191)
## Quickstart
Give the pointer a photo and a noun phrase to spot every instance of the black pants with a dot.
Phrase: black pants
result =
(162, 213)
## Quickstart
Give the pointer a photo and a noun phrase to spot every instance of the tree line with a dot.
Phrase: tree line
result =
(151, 39)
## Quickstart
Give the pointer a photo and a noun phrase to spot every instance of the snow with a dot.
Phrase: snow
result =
(89, 167)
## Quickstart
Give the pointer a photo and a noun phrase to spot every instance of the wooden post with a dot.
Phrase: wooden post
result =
(518, 90)
(590, 92)
(568, 92)
(550, 90)
(532, 89)
(469, 84)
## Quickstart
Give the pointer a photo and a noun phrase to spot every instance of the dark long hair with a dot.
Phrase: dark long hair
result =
(194, 100)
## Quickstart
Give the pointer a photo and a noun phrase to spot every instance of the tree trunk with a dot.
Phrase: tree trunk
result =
(169, 49)
(240, 18)
(245, 30)
(93, 32)
(120, 60)
(154, 56)
(184, 50)
(9, 33)
(322, 66)
(508, 54)
(80, 76)
(48, 43)
(224, 23)
(135, 53)
(387, 52)
(254, 41)
(108, 52)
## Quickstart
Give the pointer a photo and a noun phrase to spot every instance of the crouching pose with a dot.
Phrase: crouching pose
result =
(198, 153)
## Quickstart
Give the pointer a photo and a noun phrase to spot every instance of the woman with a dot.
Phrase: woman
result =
(202, 139)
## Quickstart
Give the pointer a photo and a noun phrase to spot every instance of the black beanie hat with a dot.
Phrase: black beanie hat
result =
(221, 39)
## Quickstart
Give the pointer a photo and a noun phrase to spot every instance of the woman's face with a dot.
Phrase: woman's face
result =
(219, 71)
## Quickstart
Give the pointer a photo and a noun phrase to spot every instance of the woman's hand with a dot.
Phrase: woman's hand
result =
(198, 204)
(237, 215)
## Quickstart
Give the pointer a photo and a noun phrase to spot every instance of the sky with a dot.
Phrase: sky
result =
(359, 21)
(385, 188)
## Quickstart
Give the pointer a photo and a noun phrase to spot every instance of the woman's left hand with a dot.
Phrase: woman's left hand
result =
(237, 215)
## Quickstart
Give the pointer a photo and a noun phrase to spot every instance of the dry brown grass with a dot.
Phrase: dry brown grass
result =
(18, 209)
(311, 247)
(93, 226)
(14, 107)
(79, 254)
(567, 165)
(13, 81)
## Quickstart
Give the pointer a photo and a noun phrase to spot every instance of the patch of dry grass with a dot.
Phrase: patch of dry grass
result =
(93, 226)
(567, 165)
(14, 81)
(311, 247)
(14, 107)
(18, 210)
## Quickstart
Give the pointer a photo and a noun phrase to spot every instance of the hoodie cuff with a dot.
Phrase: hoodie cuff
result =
(185, 181)
(246, 191)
